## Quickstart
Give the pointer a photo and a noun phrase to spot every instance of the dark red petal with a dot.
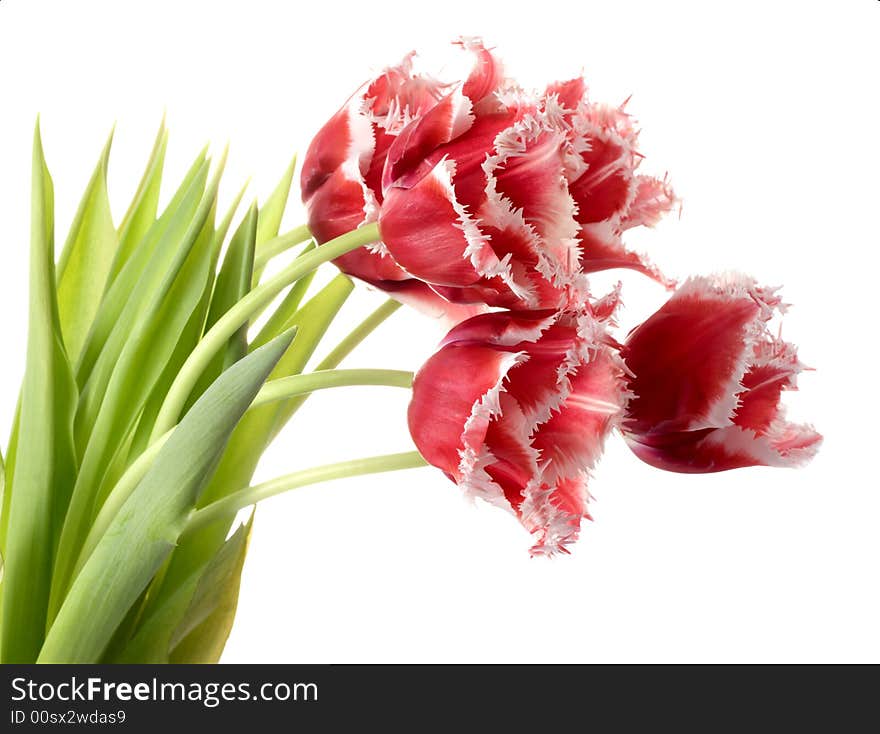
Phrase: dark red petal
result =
(720, 449)
(688, 357)
(773, 367)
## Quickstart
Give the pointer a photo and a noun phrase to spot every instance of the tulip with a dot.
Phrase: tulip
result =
(708, 377)
(514, 407)
(342, 169)
(610, 195)
(510, 200)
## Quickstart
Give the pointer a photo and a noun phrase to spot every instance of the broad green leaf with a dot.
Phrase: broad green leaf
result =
(86, 259)
(132, 286)
(232, 284)
(272, 212)
(189, 338)
(255, 431)
(146, 350)
(202, 635)
(145, 530)
(44, 457)
(9, 470)
(199, 597)
(141, 214)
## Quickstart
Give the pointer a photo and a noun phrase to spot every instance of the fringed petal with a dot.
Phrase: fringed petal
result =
(708, 378)
(448, 415)
(487, 75)
(602, 249)
(553, 514)
(433, 236)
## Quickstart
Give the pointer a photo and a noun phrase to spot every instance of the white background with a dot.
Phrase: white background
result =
(766, 116)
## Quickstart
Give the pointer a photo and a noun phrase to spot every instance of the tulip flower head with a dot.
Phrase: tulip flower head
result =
(708, 378)
(514, 407)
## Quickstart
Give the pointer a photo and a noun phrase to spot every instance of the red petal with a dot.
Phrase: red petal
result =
(603, 249)
(719, 449)
(653, 198)
(569, 93)
(444, 406)
(341, 204)
(708, 381)
(432, 235)
(689, 357)
(573, 438)
(448, 119)
(552, 513)
(487, 74)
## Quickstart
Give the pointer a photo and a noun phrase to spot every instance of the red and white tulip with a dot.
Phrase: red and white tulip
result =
(708, 375)
(514, 407)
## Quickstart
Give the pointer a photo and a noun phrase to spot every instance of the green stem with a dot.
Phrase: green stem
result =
(358, 334)
(288, 387)
(280, 244)
(273, 391)
(229, 505)
(240, 314)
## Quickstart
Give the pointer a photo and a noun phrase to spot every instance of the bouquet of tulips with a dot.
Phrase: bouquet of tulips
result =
(161, 361)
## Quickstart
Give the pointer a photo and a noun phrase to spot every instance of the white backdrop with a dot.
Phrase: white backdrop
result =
(766, 117)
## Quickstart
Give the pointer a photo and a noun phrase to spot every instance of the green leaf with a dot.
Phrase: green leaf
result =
(141, 214)
(233, 283)
(133, 285)
(285, 310)
(203, 597)
(44, 457)
(86, 259)
(202, 635)
(255, 431)
(144, 532)
(147, 347)
(272, 212)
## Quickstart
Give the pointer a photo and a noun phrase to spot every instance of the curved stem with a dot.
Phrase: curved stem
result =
(280, 244)
(273, 391)
(358, 334)
(229, 505)
(288, 387)
(241, 313)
